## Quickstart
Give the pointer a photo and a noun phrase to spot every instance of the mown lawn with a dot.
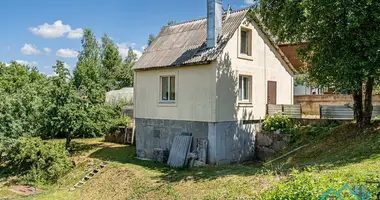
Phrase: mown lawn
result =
(345, 156)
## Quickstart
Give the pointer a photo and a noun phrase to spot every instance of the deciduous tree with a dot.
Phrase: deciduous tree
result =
(343, 44)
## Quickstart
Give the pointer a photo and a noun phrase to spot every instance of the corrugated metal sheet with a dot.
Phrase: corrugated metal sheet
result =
(292, 111)
(336, 112)
(343, 112)
(273, 109)
(184, 44)
(180, 150)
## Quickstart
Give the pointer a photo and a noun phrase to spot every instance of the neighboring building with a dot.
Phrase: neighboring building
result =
(290, 51)
(211, 77)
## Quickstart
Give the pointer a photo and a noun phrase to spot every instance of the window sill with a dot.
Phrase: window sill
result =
(167, 104)
(245, 104)
(245, 57)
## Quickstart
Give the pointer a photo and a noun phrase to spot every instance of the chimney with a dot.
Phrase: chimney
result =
(214, 22)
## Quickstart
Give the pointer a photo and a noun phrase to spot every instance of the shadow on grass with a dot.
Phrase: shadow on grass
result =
(126, 155)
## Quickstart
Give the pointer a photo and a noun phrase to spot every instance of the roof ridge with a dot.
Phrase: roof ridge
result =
(203, 18)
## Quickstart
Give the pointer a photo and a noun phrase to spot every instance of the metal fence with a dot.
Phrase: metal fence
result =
(343, 112)
(292, 111)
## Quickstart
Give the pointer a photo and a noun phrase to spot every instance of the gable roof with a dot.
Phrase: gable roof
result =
(185, 43)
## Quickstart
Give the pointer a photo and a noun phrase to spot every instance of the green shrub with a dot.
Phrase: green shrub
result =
(311, 183)
(36, 161)
(277, 122)
(313, 131)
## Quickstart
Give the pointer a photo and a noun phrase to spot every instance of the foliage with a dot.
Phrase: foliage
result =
(111, 64)
(342, 44)
(151, 39)
(277, 122)
(311, 184)
(126, 75)
(314, 131)
(87, 74)
(22, 104)
(36, 161)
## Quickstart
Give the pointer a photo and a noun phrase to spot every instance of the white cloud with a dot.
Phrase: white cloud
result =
(75, 34)
(248, 2)
(67, 53)
(49, 74)
(23, 62)
(66, 65)
(56, 30)
(124, 48)
(138, 53)
(47, 50)
(29, 49)
(6, 64)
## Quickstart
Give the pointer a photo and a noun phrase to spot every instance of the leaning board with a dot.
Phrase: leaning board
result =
(179, 151)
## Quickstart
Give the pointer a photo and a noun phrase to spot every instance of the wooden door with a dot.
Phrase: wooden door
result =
(272, 92)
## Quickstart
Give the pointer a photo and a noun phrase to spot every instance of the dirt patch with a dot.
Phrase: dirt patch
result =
(25, 190)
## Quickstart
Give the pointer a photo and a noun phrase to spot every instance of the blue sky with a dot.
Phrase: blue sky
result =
(39, 32)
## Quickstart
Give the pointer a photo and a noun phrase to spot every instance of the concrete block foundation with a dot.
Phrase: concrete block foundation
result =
(228, 142)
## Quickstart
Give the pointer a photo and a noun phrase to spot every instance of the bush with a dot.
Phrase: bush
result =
(311, 183)
(36, 161)
(313, 131)
(277, 122)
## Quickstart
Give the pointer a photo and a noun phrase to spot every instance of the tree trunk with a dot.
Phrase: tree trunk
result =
(368, 100)
(358, 107)
(68, 140)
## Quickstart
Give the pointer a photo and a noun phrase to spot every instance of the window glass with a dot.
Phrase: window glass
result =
(164, 88)
(244, 42)
(245, 88)
(172, 88)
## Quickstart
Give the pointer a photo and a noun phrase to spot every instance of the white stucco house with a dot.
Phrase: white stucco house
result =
(213, 78)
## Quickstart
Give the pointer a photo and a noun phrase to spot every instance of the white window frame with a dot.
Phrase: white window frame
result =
(247, 49)
(249, 31)
(242, 90)
(169, 89)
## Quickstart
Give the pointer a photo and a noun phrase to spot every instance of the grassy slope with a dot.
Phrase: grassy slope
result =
(346, 155)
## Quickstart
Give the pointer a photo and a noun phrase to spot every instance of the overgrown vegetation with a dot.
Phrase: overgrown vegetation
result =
(33, 160)
(34, 106)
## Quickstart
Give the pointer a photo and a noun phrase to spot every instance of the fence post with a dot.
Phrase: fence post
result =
(282, 109)
(320, 112)
(267, 109)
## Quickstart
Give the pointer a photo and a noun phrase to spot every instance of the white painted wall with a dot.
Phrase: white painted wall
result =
(195, 94)
(209, 92)
(264, 65)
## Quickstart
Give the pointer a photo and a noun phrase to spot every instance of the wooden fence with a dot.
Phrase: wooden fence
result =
(343, 112)
(292, 111)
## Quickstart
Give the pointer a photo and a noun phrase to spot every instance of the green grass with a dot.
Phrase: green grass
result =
(344, 155)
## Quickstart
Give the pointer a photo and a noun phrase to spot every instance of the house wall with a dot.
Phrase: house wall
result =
(207, 105)
(195, 94)
(264, 65)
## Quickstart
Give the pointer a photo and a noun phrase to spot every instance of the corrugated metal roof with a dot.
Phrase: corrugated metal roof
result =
(185, 43)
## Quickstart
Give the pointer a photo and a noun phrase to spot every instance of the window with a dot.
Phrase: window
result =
(167, 88)
(245, 41)
(245, 88)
